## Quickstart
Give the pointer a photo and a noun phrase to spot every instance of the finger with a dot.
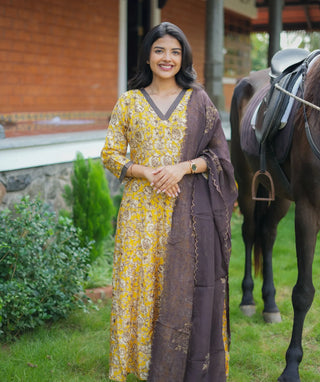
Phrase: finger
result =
(169, 182)
(160, 183)
(157, 170)
(173, 191)
(170, 193)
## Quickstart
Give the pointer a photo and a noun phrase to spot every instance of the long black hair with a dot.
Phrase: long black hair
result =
(185, 78)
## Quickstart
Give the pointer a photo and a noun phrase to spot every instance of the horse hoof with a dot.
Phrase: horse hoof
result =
(285, 379)
(272, 318)
(248, 310)
(290, 373)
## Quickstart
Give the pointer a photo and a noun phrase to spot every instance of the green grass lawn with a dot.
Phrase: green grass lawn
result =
(76, 349)
(258, 349)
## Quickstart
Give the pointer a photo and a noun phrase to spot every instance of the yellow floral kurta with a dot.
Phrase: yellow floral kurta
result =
(144, 222)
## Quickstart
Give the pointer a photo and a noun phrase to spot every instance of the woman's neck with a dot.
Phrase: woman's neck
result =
(163, 88)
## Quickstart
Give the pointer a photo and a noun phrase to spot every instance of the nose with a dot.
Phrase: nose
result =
(167, 56)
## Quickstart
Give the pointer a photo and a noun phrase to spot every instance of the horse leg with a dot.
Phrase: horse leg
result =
(247, 305)
(274, 213)
(243, 174)
(303, 292)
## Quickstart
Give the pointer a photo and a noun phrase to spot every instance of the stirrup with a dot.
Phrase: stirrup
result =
(254, 186)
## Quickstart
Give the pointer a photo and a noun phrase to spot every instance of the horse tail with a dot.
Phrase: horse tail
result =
(242, 93)
(235, 110)
(259, 215)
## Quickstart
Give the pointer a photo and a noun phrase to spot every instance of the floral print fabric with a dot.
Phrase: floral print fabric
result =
(144, 222)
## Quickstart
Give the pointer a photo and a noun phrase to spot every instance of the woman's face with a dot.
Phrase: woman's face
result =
(165, 57)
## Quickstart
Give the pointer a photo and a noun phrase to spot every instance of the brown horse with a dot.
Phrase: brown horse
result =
(297, 179)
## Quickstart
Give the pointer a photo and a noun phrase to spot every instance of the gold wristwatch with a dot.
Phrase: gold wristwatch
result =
(193, 167)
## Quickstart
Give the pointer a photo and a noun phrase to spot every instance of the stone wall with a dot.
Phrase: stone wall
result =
(48, 182)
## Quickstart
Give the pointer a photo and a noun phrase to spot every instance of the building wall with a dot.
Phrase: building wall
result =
(58, 55)
(190, 16)
(60, 58)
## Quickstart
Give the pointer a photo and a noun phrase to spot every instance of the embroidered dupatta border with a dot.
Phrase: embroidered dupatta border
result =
(187, 344)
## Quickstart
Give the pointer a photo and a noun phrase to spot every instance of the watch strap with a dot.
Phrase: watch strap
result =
(193, 167)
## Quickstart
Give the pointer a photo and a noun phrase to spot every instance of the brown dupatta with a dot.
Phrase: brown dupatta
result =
(188, 345)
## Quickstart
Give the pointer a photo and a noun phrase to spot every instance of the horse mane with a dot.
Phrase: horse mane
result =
(312, 95)
(312, 84)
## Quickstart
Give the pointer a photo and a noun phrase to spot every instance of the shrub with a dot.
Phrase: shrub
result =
(43, 266)
(92, 206)
(100, 273)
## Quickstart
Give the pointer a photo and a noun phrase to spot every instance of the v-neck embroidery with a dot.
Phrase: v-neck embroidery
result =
(171, 109)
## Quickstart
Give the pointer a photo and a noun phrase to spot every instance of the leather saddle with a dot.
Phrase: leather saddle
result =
(285, 70)
(286, 67)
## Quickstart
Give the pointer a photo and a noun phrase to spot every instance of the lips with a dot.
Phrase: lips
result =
(166, 67)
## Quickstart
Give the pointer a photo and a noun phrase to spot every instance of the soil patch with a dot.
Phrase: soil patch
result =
(102, 293)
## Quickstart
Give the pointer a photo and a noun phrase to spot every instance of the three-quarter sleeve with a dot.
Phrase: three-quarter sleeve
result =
(114, 152)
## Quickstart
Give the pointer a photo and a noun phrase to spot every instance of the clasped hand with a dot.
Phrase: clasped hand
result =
(165, 179)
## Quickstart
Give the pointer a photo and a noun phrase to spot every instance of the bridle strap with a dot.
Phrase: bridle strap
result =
(277, 86)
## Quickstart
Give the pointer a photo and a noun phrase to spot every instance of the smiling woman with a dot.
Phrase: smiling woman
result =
(165, 58)
(170, 243)
(165, 63)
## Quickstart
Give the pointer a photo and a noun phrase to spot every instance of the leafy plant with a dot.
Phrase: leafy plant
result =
(43, 265)
(92, 206)
(259, 50)
(100, 273)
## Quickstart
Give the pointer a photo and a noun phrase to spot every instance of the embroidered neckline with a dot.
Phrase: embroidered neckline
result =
(171, 109)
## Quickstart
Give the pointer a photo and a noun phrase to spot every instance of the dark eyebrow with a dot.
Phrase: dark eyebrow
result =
(161, 47)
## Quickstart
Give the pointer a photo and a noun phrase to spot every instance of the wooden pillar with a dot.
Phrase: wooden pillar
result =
(214, 58)
(155, 13)
(122, 53)
(275, 27)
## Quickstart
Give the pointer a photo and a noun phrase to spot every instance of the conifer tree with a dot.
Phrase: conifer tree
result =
(92, 207)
